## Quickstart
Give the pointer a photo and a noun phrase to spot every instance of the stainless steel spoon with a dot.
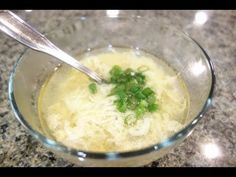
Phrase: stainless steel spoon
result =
(18, 29)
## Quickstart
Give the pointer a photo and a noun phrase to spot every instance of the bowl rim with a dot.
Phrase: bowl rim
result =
(82, 154)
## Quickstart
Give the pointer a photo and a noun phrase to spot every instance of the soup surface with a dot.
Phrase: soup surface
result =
(72, 115)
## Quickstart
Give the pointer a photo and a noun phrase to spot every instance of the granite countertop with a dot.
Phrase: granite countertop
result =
(212, 143)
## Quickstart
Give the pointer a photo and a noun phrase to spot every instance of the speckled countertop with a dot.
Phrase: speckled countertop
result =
(212, 143)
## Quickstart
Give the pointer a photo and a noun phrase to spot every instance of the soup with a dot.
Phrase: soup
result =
(83, 115)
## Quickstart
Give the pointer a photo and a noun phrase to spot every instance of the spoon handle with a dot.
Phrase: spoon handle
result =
(18, 29)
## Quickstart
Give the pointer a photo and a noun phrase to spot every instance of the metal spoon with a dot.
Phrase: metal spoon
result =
(18, 29)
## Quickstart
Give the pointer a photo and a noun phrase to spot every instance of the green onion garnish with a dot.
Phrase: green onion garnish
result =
(131, 92)
(92, 88)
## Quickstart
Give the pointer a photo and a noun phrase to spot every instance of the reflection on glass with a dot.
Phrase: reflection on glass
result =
(198, 68)
(155, 147)
(28, 10)
(194, 122)
(82, 18)
(112, 13)
(200, 18)
(110, 48)
(81, 154)
(211, 150)
(81, 158)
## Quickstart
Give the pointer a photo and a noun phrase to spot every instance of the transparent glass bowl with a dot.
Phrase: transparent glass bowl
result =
(82, 34)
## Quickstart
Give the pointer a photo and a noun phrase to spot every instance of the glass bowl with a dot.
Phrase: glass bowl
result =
(82, 34)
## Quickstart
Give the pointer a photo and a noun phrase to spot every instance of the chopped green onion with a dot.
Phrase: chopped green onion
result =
(134, 88)
(116, 71)
(139, 111)
(143, 103)
(130, 120)
(152, 107)
(131, 93)
(140, 95)
(121, 106)
(122, 95)
(151, 99)
(92, 88)
(147, 91)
